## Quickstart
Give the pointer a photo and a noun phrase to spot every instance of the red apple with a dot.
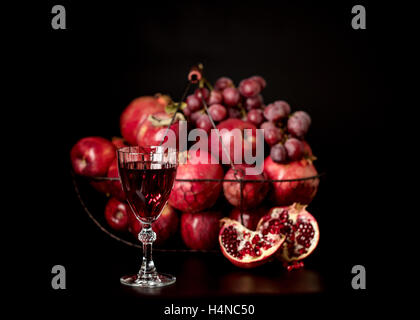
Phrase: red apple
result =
(136, 113)
(165, 226)
(92, 156)
(117, 214)
(200, 230)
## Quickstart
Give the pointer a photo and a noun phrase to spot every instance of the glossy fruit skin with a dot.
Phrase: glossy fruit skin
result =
(226, 129)
(295, 213)
(198, 195)
(115, 188)
(165, 226)
(200, 230)
(150, 134)
(294, 148)
(278, 153)
(194, 103)
(253, 102)
(215, 97)
(277, 110)
(117, 214)
(267, 254)
(253, 193)
(136, 113)
(272, 135)
(260, 80)
(249, 87)
(250, 217)
(298, 124)
(203, 122)
(218, 112)
(287, 193)
(119, 142)
(231, 97)
(267, 125)
(201, 93)
(195, 116)
(92, 156)
(256, 117)
(223, 83)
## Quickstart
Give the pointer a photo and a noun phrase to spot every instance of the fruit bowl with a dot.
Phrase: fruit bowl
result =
(216, 201)
(94, 202)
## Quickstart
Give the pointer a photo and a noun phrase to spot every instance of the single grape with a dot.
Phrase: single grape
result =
(202, 91)
(267, 125)
(204, 123)
(294, 148)
(278, 153)
(260, 80)
(255, 116)
(272, 135)
(231, 97)
(304, 115)
(253, 102)
(234, 113)
(249, 87)
(195, 116)
(215, 97)
(223, 83)
(217, 112)
(298, 124)
(193, 103)
(277, 110)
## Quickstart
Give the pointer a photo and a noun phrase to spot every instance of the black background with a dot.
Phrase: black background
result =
(310, 57)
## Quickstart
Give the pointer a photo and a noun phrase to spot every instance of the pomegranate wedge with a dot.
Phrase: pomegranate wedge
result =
(246, 248)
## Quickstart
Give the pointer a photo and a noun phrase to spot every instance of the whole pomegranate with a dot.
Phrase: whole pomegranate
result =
(137, 112)
(299, 227)
(287, 193)
(165, 227)
(246, 248)
(117, 214)
(92, 156)
(253, 193)
(250, 218)
(152, 130)
(231, 130)
(195, 196)
(200, 230)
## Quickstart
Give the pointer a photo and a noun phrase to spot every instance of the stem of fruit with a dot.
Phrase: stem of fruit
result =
(147, 236)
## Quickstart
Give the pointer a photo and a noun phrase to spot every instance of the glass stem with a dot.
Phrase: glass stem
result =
(147, 236)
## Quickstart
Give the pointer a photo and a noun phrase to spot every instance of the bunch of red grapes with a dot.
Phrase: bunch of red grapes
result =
(283, 131)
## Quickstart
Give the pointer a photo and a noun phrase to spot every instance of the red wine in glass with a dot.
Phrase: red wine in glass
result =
(147, 190)
(147, 176)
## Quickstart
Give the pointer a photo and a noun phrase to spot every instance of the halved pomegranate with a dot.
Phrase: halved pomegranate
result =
(246, 248)
(299, 227)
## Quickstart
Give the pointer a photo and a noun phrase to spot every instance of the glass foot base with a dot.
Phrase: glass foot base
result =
(157, 280)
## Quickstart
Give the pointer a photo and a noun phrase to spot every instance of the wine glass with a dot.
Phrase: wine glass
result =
(147, 176)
